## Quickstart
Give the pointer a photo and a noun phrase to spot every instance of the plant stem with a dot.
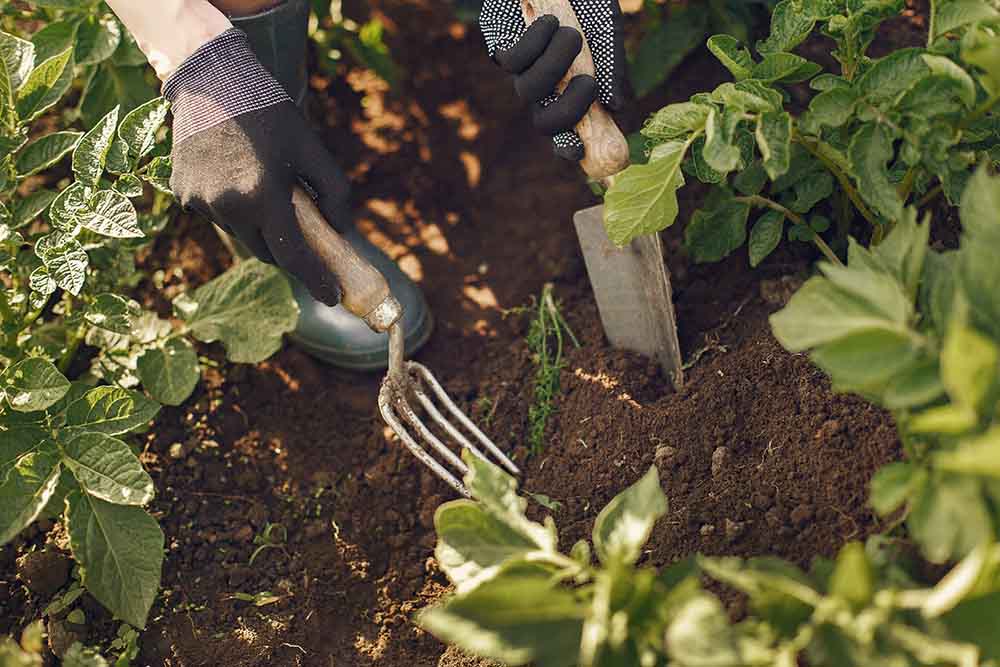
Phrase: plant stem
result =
(757, 200)
(845, 183)
(906, 185)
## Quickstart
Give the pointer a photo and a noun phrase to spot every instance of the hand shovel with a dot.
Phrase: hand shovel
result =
(631, 284)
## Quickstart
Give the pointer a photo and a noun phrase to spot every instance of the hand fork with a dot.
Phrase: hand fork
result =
(366, 294)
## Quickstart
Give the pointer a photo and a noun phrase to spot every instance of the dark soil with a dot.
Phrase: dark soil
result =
(756, 454)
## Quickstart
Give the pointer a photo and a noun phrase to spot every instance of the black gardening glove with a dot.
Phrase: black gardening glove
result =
(539, 56)
(240, 147)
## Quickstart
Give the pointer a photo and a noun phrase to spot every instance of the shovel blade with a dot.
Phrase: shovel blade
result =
(633, 293)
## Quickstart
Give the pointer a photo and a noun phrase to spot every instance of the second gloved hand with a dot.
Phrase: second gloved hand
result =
(539, 55)
(240, 148)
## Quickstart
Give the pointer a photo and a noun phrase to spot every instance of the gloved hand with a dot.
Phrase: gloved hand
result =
(539, 56)
(240, 147)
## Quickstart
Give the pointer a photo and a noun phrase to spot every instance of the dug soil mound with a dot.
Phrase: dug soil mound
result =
(299, 531)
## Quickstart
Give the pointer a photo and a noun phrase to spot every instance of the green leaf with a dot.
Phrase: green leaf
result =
(980, 202)
(784, 68)
(129, 185)
(894, 484)
(774, 138)
(17, 441)
(956, 14)
(516, 620)
(643, 198)
(676, 120)
(749, 96)
(976, 456)
(109, 410)
(751, 180)
(91, 154)
(23, 495)
(789, 27)
(112, 86)
(112, 313)
(158, 173)
(32, 206)
(702, 636)
(968, 365)
(765, 236)
(33, 384)
(949, 518)
(892, 75)
(169, 373)
(714, 233)
(107, 469)
(624, 525)
(53, 39)
(110, 213)
(97, 39)
(974, 621)
(41, 282)
(79, 655)
(869, 153)
(865, 361)
(982, 49)
(17, 58)
(138, 129)
(66, 205)
(947, 68)
(65, 259)
(809, 191)
(46, 86)
(120, 552)
(45, 152)
(733, 55)
(853, 579)
(904, 251)
(249, 308)
(831, 108)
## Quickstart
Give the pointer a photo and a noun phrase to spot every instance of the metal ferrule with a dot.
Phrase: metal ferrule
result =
(384, 315)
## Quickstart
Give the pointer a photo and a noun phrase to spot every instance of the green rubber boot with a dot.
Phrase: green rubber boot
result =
(279, 38)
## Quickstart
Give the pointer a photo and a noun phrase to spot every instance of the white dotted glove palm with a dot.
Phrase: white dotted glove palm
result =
(538, 56)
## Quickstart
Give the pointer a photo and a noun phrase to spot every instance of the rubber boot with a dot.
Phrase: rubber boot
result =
(279, 38)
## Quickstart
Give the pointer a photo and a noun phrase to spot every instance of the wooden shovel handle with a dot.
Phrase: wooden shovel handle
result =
(365, 290)
(606, 147)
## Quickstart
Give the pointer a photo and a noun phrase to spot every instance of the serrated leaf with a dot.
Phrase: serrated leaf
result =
(110, 213)
(109, 410)
(32, 206)
(106, 468)
(714, 233)
(733, 55)
(97, 39)
(139, 127)
(33, 384)
(169, 373)
(774, 138)
(676, 120)
(248, 308)
(91, 153)
(870, 152)
(643, 198)
(23, 495)
(45, 152)
(120, 552)
(765, 236)
(514, 619)
(45, 86)
(112, 313)
(789, 27)
(624, 525)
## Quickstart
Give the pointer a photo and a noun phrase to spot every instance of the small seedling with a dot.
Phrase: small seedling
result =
(261, 599)
(545, 340)
(274, 537)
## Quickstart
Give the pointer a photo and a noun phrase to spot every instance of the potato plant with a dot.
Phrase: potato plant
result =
(873, 136)
(519, 600)
(76, 352)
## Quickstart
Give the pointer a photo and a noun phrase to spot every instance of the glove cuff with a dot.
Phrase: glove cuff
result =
(223, 79)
